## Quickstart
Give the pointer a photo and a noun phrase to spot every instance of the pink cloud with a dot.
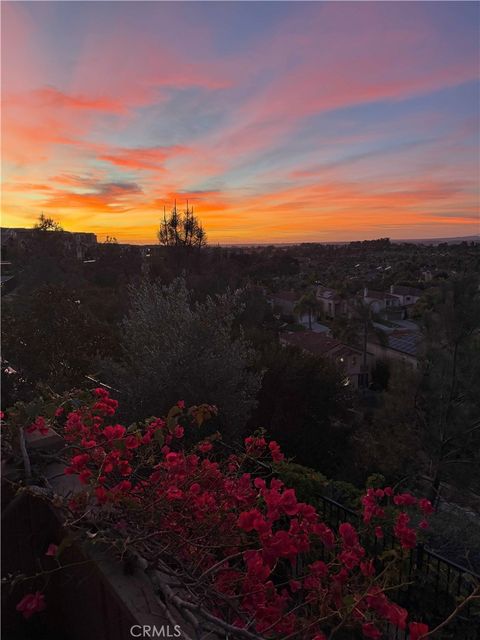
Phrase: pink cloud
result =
(141, 157)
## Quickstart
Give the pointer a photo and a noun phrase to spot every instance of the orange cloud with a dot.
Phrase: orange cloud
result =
(59, 100)
(141, 158)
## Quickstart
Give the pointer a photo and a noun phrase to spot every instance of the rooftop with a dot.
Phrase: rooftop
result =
(405, 341)
(405, 291)
(318, 343)
(378, 295)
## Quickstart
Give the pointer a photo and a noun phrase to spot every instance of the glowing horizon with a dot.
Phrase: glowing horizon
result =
(279, 122)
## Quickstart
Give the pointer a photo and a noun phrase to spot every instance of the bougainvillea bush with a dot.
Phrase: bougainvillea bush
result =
(221, 536)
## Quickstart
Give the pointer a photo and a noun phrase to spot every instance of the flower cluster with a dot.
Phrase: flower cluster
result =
(40, 425)
(31, 603)
(259, 552)
(378, 502)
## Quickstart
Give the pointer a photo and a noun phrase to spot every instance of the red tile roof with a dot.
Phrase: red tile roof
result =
(379, 295)
(317, 343)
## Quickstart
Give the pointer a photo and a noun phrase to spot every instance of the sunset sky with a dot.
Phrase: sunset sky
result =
(279, 122)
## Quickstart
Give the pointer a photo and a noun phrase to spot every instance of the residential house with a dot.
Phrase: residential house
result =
(379, 300)
(400, 345)
(331, 304)
(348, 359)
(406, 295)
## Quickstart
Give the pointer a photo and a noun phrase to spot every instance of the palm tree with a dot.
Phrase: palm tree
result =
(361, 321)
(308, 304)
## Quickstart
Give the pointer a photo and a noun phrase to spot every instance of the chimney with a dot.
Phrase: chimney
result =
(391, 288)
(365, 292)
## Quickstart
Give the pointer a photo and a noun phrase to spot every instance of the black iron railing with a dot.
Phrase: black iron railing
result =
(433, 586)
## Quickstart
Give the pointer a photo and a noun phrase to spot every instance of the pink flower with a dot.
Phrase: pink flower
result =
(294, 585)
(174, 493)
(52, 550)
(58, 412)
(178, 431)
(289, 503)
(115, 432)
(181, 404)
(397, 615)
(101, 495)
(405, 499)
(31, 603)
(277, 455)
(84, 476)
(39, 425)
(369, 630)
(426, 506)
(205, 447)
(348, 534)
(417, 630)
(367, 568)
(131, 442)
(247, 519)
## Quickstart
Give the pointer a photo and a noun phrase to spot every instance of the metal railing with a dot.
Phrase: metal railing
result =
(433, 586)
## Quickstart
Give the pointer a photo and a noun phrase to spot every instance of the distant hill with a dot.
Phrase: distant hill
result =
(455, 240)
(428, 241)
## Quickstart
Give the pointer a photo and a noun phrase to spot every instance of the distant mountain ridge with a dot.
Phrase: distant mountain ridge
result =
(431, 241)
(453, 240)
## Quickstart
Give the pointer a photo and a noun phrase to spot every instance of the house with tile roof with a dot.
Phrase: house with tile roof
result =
(401, 346)
(406, 295)
(331, 304)
(348, 359)
(380, 300)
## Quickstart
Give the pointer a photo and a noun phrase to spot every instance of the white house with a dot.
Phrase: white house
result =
(331, 304)
(379, 300)
(406, 295)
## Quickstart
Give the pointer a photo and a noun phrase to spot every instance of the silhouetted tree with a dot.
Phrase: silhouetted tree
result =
(176, 349)
(299, 403)
(309, 305)
(451, 384)
(47, 224)
(182, 229)
(50, 336)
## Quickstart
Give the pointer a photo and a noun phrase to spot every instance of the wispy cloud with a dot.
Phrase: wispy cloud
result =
(299, 121)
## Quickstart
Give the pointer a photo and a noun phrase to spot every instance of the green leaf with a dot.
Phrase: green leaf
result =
(64, 544)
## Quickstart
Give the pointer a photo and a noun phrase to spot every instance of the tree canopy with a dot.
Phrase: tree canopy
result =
(181, 229)
(175, 347)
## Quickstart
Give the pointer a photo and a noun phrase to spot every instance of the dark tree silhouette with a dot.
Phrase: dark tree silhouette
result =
(181, 229)
(47, 224)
